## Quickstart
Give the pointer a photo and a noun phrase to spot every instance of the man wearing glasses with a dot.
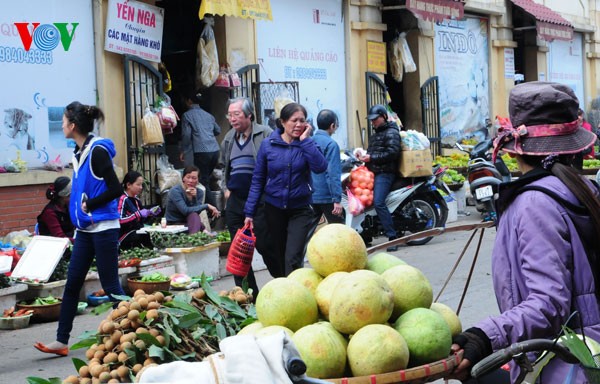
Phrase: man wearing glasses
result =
(382, 159)
(238, 156)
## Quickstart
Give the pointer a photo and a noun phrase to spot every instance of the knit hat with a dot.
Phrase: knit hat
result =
(60, 188)
(544, 121)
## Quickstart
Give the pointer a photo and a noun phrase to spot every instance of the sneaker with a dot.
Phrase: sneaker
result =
(392, 248)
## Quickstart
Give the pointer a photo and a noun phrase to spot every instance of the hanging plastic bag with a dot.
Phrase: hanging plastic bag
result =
(207, 60)
(223, 78)
(166, 115)
(395, 58)
(234, 78)
(355, 206)
(407, 59)
(166, 175)
(151, 130)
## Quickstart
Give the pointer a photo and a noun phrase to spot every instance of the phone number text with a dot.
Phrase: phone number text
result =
(19, 55)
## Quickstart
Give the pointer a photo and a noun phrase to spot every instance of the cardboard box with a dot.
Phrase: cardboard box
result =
(415, 163)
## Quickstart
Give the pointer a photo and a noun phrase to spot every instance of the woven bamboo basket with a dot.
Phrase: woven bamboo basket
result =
(421, 374)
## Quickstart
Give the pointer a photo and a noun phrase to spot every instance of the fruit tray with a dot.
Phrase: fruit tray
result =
(416, 375)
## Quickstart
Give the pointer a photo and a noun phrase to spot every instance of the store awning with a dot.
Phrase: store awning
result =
(247, 9)
(436, 10)
(550, 25)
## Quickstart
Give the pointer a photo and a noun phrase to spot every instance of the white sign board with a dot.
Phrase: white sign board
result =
(461, 62)
(565, 65)
(134, 28)
(305, 43)
(46, 62)
(509, 63)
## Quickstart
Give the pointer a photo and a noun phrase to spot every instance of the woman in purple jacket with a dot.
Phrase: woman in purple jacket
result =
(283, 166)
(545, 260)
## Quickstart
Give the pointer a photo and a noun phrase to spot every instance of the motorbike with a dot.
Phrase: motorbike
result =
(415, 203)
(484, 177)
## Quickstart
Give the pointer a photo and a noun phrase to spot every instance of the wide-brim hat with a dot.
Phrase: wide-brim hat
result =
(544, 121)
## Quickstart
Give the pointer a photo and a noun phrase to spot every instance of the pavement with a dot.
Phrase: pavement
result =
(438, 260)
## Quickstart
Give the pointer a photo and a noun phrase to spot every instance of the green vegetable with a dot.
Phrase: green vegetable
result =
(155, 278)
(48, 300)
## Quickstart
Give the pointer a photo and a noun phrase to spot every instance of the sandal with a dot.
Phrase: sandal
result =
(59, 351)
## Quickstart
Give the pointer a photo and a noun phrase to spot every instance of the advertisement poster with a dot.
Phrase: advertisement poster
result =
(305, 43)
(565, 65)
(461, 62)
(46, 62)
(134, 28)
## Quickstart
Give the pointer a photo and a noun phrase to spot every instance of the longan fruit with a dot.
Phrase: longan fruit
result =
(125, 323)
(136, 368)
(89, 354)
(116, 336)
(143, 302)
(123, 357)
(152, 314)
(141, 330)
(114, 380)
(135, 305)
(84, 371)
(72, 379)
(126, 345)
(159, 296)
(110, 357)
(138, 292)
(123, 371)
(151, 297)
(96, 370)
(139, 344)
(85, 380)
(149, 361)
(154, 332)
(104, 377)
(161, 339)
(133, 315)
(200, 294)
(153, 305)
(99, 355)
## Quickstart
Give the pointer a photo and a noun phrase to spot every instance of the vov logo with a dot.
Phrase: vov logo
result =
(46, 36)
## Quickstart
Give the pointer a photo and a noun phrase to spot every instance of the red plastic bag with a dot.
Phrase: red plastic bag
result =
(223, 79)
(241, 251)
(355, 206)
(361, 185)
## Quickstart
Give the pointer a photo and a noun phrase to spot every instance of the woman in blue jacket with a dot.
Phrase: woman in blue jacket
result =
(283, 173)
(93, 209)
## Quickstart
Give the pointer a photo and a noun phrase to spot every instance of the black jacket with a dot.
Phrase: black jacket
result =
(384, 149)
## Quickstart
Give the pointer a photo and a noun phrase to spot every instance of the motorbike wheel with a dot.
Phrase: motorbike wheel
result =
(426, 208)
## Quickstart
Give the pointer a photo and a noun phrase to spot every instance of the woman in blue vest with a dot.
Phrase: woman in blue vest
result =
(93, 209)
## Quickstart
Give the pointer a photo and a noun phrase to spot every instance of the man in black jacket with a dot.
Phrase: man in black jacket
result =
(382, 159)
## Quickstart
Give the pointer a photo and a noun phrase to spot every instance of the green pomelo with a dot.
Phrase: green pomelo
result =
(307, 277)
(323, 349)
(381, 262)
(450, 316)
(325, 290)
(377, 348)
(334, 248)
(285, 302)
(427, 335)
(410, 287)
(361, 298)
(272, 329)
(251, 328)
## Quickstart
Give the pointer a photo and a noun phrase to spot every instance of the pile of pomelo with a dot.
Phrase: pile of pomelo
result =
(350, 315)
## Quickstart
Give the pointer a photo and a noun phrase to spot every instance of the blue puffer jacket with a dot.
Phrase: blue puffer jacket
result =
(86, 185)
(283, 172)
(541, 273)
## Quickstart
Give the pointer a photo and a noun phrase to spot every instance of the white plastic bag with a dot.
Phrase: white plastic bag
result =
(407, 59)
(395, 58)
(166, 175)
(207, 60)
(281, 100)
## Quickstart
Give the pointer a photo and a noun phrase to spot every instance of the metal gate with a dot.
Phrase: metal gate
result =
(430, 114)
(249, 75)
(265, 95)
(143, 86)
(376, 94)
